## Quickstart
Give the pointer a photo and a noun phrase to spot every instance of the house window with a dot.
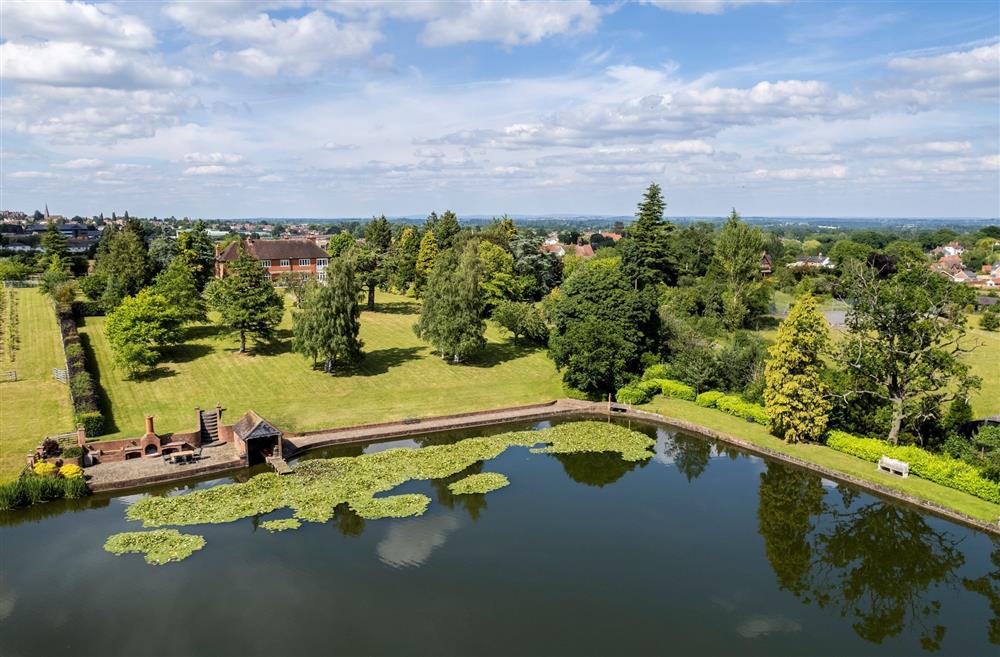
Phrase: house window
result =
(303, 262)
(285, 263)
(265, 263)
(321, 275)
(267, 275)
(322, 262)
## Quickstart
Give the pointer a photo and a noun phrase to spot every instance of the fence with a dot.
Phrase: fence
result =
(60, 375)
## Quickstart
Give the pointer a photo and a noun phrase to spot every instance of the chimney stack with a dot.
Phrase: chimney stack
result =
(149, 425)
(81, 435)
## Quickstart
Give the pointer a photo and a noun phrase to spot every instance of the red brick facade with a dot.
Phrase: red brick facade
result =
(277, 257)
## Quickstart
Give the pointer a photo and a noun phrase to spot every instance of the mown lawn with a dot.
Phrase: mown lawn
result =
(822, 455)
(36, 405)
(984, 362)
(398, 378)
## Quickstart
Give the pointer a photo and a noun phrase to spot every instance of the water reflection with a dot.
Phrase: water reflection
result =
(989, 586)
(877, 564)
(409, 543)
(597, 468)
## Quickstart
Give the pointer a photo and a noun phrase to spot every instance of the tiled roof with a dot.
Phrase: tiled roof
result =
(292, 249)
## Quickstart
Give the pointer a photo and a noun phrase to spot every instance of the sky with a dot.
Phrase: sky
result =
(338, 109)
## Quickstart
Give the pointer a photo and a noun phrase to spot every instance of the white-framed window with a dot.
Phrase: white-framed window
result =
(321, 276)
(285, 263)
(265, 263)
(322, 262)
(303, 262)
(267, 275)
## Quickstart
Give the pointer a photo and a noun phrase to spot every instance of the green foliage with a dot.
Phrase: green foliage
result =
(44, 469)
(676, 389)
(739, 407)
(13, 271)
(92, 421)
(482, 482)
(33, 489)
(328, 323)
(446, 229)
(657, 371)
(427, 256)
(905, 337)
(94, 285)
(72, 452)
(178, 285)
(736, 267)
(497, 281)
(521, 319)
(403, 256)
(451, 315)
(794, 395)
(54, 242)
(246, 301)
(284, 524)
(940, 469)
(125, 267)
(378, 234)
(647, 256)
(55, 275)
(81, 385)
(340, 244)
(71, 471)
(159, 546)
(601, 327)
(709, 398)
(539, 271)
(991, 319)
(633, 394)
(139, 327)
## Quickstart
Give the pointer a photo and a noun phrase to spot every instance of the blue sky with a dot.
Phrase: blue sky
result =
(304, 108)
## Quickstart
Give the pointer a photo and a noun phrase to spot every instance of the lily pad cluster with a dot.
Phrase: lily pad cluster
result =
(160, 546)
(280, 525)
(483, 482)
(317, 486)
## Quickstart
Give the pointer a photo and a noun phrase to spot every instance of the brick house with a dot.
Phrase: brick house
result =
(301, 256)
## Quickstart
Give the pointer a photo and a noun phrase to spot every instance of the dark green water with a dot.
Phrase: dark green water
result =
(703, 550)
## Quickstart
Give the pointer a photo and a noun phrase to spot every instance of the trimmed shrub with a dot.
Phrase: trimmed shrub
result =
(938, 468)
(71, 471)
(658, 371)
(651, 387)
(81, 385)
(72, 452)
(44, 469)
(708, 398)
(92, 421)
(739, 407)
(633, 394)
(74, 350)
(676, 389)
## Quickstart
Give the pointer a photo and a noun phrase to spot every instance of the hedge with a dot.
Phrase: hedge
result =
(82, 390)
(939, 468)
(634, 394)
(676, 389)
(92, 421)
(736, 405)
(658, 371)
(708, 399)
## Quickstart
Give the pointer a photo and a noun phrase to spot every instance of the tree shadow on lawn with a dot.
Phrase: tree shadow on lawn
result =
(381, 361)
(395, 308)
(103, 401)
(184, 353)
(495, 353)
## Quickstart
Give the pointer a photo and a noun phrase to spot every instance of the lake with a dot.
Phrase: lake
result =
(702, 550)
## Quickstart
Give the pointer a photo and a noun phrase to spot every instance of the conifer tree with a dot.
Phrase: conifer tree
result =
(426, 257)
(736, 267)
(126, 266)
(54, 242)
(178, 285)
(327, 327)
(246, 301)
(647, 256)
(404, 258)
(450, 317)
(446, 228)
(794, 395)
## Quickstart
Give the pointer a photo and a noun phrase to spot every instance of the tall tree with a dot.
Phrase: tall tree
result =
(451, 314)
(198, 251)
(601, 327)
(138, 328)
(404, 258)
(327, 327)
(246, 301)
(378, 234)
(736, 266)
(446, 228)
(905, 338)
(427, 255)
(340, 244)
(647, 256)
(54, 242)
(795, 397)
(497, 280)
(179, 287)
(126, 267)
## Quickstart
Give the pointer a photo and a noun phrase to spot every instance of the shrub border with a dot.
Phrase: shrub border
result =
(86, 410)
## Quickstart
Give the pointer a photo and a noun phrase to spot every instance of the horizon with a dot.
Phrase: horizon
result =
(239, 109)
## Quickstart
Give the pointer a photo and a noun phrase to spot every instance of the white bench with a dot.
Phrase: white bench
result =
(894, 466)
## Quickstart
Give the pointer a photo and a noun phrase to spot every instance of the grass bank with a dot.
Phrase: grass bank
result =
(36, 405)
(824, 456)
(399, 377)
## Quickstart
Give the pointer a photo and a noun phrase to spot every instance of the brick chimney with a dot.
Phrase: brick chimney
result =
(81, 435)
(149, 426)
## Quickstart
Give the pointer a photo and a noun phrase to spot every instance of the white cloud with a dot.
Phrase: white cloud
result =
(271, 178)
(30, 174)
(74, 21)
(805, 173)
(976, 69)
(334, 146)
(213, 158)
(82, 163)
(510, 23)
(68, 64)
(410, 543)
(706, 6)
(266, 46)
(210, 170)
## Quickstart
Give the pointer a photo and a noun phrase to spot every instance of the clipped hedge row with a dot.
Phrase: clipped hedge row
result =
(676, 389)
(736, 405)
(709, 398)
(658, 371)
(82, 389)
(939, 468)
(640, 392)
